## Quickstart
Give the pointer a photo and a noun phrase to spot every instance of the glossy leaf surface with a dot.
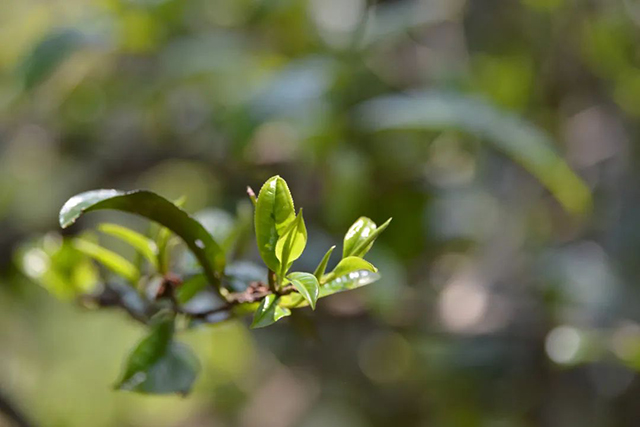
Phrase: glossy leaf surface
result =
(160, 365)
(274, 212)
(349, 265)
(155, 208)
(347, 282)
(358, 233)
(365, 244)
(307, 285)
(269, 312)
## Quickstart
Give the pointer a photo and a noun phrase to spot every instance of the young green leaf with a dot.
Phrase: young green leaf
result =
(364, 245)
(322, 267)
(292, 243)
(269, 312)
(307, 285)
(159, 365)
(109, 259)
(358, 233)
(274, 212)
(155, 208)
(353, 280)
(145, 246)
(348, 265)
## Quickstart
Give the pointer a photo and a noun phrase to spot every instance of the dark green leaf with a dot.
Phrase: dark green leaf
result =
(269, 312)
(322, 267)
(159, 365)
(274, 212)
(520, 140)
(155, 208)
(358, 233)
(109, 259)
(307, 285)
(145, 246)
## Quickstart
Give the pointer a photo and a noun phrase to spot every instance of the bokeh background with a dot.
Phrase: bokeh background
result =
(499, 134)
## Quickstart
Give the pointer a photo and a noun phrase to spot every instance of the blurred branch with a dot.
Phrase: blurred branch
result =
(12, 413)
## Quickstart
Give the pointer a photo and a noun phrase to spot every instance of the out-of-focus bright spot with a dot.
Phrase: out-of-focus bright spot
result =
(593, 135)
(385, 357)
(175, 179)
(625, 342)
(273, 142)
(339, 16)
(337, 20)
(35, 262)
(463, 303)
(563, 344)
(448, 163)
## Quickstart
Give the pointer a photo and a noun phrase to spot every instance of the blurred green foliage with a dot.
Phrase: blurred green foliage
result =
(498, 134)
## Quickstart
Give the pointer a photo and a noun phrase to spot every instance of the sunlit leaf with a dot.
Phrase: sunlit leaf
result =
(322, 267)
(307, 285)
(292, 243)
(362, 246)
(109, 259)
(520, 140)
(347, 282)
(348, 265)
(145, 246)
(269, 312)
(274, 212)
(159, 365)
(58, 267)
(155, 208)
(357, 233)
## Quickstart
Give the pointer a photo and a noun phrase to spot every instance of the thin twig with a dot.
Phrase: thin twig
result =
(12, 413)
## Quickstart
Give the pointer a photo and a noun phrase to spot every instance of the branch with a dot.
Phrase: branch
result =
(12, 413)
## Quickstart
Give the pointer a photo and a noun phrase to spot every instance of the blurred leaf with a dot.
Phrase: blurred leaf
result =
(269, 312)
(274, 212)
(58, 267)
(109, 259)
(48, 54)
(190, 287)
(155, 208)
(307, 285)
(358, 233)
(348, 265)
(352, 280)
(519, 139)
(159, 365)
(292, 243)
(145, 246)
(323, 263)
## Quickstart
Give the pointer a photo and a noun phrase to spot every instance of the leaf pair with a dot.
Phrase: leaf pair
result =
(280, 234)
